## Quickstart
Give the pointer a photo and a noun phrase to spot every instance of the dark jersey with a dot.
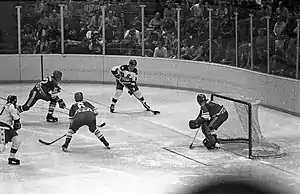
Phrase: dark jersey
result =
(211, 109)
(48, 84)
(80, 107)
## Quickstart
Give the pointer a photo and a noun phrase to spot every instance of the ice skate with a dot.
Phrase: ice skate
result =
(64, 147)
(106, 144)
(112, 108)
(51, 119)
(147, 107)
(14, 161)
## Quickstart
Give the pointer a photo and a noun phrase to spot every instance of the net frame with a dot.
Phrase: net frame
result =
(260, 153)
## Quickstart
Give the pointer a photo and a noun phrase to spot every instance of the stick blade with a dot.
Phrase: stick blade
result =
(43, 142)
(155, 112)
(191, 146)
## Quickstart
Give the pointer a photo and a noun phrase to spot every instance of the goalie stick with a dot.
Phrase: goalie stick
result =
(57, 139)
(155, 112)
(191, 145)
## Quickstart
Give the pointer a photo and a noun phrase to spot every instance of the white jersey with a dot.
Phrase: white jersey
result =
(126, 75)
(8, 114)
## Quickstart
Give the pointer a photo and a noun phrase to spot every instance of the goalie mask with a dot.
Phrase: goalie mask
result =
(78, 96)
(201, 98)
(12, 99)
(57, 75)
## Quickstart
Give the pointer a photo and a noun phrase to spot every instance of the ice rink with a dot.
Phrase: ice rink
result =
(149, 154)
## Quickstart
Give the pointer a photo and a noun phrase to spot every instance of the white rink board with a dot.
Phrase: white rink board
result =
(9, 68)
(273, 91)
(31, 68)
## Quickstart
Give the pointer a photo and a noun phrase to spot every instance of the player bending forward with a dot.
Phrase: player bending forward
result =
(210, 118)
(46, 90)
(126, 75)
(82, 113)
(9, 125)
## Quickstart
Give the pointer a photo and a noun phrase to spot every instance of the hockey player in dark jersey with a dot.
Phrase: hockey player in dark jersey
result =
(9, 125)
(126, 75)
(46, 90)
(82, 113)
(210, 118)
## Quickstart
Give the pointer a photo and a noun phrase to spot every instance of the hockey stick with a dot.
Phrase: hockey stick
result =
(155, 112)
(3, 98)
(52, 142)
(191, 145)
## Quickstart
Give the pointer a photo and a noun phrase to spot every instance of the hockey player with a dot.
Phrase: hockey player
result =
(126, 75)
(46, 90)
(9, 125)
(82, 113)
(210, 118)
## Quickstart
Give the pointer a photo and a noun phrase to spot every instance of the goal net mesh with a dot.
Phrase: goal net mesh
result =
(234, 135)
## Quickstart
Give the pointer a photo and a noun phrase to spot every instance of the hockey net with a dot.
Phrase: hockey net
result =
(241, 133)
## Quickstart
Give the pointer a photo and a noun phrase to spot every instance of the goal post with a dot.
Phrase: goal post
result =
(241, 132)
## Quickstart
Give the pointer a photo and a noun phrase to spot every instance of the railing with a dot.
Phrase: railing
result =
(241, 37)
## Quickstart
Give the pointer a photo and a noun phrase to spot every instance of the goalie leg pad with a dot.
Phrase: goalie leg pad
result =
(210, 135)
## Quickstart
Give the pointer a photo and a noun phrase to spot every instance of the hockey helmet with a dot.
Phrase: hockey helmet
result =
(78, 96)
(132, 62)
(12, 99)
(201, 98)
(57, 75)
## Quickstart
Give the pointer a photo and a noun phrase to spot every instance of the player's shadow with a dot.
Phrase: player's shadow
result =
(134, 113)
(44, 124)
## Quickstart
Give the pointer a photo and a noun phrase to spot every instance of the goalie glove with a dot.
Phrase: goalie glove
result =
(61, 104)
(17, 125)
(193, 124)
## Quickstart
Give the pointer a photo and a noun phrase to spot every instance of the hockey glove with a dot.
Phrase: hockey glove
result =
(131, 88)
(17, 125)
(56, 90)
(117, 76)
(193, 124)
(61, 104)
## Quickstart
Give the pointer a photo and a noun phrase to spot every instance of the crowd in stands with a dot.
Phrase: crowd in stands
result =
(83, 31)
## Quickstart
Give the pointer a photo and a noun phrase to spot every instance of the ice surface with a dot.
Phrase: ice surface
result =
(137, 161)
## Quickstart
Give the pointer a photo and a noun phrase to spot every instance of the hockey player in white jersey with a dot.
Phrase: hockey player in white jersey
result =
(126, 75)
(9, 125)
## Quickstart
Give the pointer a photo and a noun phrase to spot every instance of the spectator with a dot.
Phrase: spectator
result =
(185, 51)
(160, 51)
(156, 22)
(44, 20)
(283, 12)
(96, 20)
(279, 27)
(110, 26)
(132, 39)
(39, 6)
(170, 12)
(54, 18)
(40, 36)
(93, 40)
(197, 9)
(222, 10)
(53, 34)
